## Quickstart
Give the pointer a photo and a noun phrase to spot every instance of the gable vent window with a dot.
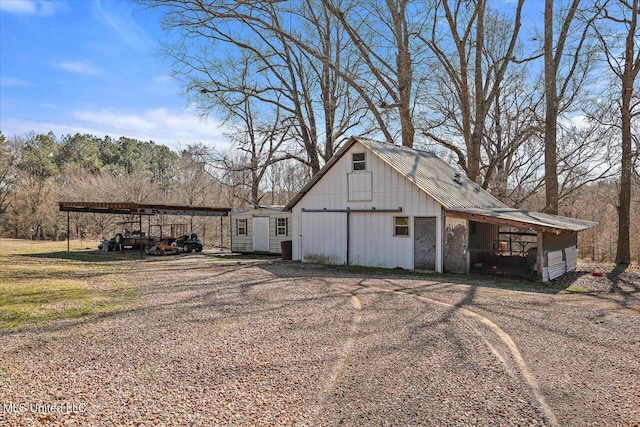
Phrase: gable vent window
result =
(359, 162)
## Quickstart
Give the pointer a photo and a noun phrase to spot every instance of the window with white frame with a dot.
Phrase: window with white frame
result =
(401, 226)
(281, 226)
(359, 162)
(241, 226)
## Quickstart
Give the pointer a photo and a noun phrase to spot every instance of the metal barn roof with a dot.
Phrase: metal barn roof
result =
(434, 176)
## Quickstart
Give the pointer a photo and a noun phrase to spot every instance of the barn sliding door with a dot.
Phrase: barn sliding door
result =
(424, 243)
(261, 234)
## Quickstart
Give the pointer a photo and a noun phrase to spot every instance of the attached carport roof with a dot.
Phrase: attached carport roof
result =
(127, 208)
(522, 219)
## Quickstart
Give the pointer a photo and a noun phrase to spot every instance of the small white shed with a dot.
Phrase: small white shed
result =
(261, 229)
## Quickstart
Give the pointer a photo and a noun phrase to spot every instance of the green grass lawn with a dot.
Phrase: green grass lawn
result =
(41, 282)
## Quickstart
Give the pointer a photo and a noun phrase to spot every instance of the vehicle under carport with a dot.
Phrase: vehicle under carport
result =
(140, 210)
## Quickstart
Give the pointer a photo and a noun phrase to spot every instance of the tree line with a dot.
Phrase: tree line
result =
(38, 170)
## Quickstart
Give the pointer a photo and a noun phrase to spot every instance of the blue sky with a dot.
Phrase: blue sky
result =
(92, 66)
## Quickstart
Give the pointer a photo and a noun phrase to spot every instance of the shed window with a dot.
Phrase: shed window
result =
(401, 226)
(241, 226)
(359, 162)
(281, 226)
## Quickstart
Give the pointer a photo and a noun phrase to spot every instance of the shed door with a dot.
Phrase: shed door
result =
(424, 243)
(261, 234)
(455, 246)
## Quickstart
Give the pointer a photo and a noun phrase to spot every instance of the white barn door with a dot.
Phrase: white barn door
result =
(261, 234)
(324, 237)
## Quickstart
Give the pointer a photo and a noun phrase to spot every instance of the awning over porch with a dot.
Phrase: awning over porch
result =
(522, 219)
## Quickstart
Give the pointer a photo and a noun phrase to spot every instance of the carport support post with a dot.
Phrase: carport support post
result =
(140, 228)
(221, 233)
(68, 233)
(539, 256)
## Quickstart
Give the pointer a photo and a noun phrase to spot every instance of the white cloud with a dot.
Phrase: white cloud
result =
(79, 67)
(12, 81)
(119, 17)
(48, 8)
(31, 7)
(163, 79)
(175, 129)
(19, 7)
(578, 120)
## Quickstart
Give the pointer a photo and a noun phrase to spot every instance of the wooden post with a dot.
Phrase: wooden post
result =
(68, 233)
(539, 255)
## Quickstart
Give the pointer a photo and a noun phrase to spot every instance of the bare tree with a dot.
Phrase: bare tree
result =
(283, 180)
(263, 139)
(623, 58)
(281, 74)
(566, 64)
(383, 35)
(476, 64)
(513, 141)
(192, 183)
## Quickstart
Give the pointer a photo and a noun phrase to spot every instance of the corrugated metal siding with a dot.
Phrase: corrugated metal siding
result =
(482, 241)
(487, 235)
(556, 266)
(571, 257)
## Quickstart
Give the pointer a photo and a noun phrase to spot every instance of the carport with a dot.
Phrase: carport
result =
(139, 209)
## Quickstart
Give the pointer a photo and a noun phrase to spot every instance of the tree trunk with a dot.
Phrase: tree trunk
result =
(405, 72)
(623, 252)
(551, 115)
(255, 188)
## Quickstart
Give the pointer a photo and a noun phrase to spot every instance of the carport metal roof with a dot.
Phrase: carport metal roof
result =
(127, 208)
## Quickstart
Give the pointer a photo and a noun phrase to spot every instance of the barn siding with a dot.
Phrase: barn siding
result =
(322, 237)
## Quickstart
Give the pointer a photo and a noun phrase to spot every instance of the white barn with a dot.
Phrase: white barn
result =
(260, 229)
(382, 205)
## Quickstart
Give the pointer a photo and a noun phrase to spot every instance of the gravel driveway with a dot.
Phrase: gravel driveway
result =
(290, 344)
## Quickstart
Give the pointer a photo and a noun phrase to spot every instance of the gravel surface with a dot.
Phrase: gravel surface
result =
(288, 344)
